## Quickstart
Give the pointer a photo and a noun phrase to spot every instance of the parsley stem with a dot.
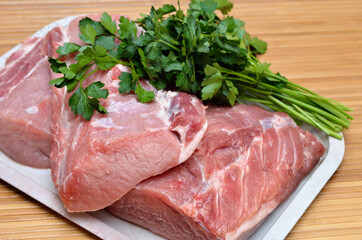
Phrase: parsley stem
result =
(322, 108)
(224, 70)
(262, 101)
(242, 79)
(342, 108)
(301, 115)
(318, 124)
(323, 114)
(335, 126)
(271, 74)
(84, 77)
(118, 61)
(332, 109)
(312, 108)
(253, 89)
(290, 109)
(169, 45)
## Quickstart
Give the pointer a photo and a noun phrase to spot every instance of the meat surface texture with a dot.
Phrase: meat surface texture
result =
(248, 162)
(25, 102)
(94, 163)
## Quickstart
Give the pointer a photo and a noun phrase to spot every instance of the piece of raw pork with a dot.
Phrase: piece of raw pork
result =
(95, 163)
(248, 162)
(25, 102)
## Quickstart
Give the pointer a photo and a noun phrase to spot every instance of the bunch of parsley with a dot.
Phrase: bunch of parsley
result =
(199, 52)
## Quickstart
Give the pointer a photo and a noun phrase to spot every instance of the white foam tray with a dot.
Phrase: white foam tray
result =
(37, 183)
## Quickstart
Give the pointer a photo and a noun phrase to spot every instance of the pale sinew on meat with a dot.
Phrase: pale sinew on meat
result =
(95, 163)
(25, 102)
(248, 162)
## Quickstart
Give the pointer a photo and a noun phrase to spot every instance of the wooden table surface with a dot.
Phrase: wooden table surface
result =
(317, 44)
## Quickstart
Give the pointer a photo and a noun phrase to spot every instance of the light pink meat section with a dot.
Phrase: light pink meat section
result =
(248, 162)
(95, 163)
(25, 102)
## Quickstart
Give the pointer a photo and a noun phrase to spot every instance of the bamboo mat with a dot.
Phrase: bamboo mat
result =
(317, 44)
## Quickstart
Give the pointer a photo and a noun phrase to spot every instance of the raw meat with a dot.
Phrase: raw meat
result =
(25, 102)
(95, 163)
(248, 162)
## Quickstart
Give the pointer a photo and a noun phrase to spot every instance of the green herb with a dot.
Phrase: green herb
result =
(200, 52)
(99, 54)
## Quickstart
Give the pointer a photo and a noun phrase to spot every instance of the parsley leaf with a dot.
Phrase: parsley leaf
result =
(95, 24)
(108, 23)
(224, 6)
(81, 103)
(259, 45)
(233, 92)
(126, 84)
(130, 81)
(67, 48)
(208, 6)
(143, 95)
(57, 81)
(127, 29)
(106, 41)
(95, 90)
(212, 83)
(88, 33)
(55, 64)
(165, 9)
(67, 72)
